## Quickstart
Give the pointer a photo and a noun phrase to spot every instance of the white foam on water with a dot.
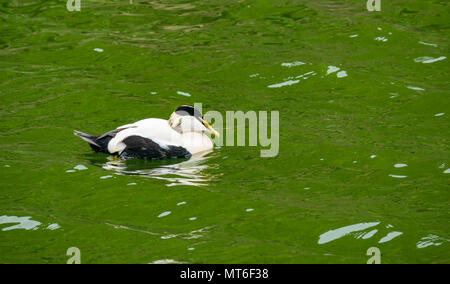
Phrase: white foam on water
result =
(192, 218)
(381, 38)
(183, 94)
(393, 95)
(70, 171)
(292, 64)
(166, 237)
(352, 36)
(378, 28)
(431, 240)
(369, 234)
(415, 88)
(190, 248)
(24, 223)
(341, 74)
(434, 59)
(373, 156)
(447, 171)
(80, 167)
(307, 73)
(439, 114)
(389, 237)
(341, 232)
(105, 177)
(286, 83)
(181, 203)
(164, 214)
(422, 59)
(358, 235)
(398, 176)
(249, 209)
(442, 166)
(424, 244)
(153, 93)
(187, 236)
(430, 44)
(53, 226)
(131, 183)
(332, 69)
(428, 59)
(254, 75)
(400, 165)
(98, 49)
(7, 166)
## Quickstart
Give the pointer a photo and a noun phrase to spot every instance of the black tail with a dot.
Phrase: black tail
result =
(98, 145)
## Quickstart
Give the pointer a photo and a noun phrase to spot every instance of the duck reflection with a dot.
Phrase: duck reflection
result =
(188, 172)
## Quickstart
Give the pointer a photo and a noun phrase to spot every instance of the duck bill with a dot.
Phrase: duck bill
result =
(209, 128)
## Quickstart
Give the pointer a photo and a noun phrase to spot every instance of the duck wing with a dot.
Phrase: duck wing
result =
(138, 147)
(98, 143)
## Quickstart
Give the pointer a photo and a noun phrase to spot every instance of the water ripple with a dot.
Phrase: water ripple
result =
(190, 172)
(24, 223)
(341, 232)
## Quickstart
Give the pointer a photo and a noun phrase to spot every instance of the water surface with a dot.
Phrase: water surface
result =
(358, 92)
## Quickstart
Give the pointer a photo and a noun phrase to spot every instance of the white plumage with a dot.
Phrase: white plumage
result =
(160, 132)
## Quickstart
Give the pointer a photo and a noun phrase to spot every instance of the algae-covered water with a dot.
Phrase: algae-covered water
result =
(363, 102)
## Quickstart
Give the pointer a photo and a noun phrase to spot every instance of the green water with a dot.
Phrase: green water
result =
(340, 137)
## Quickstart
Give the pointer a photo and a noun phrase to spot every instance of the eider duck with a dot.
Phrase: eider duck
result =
(182, 136)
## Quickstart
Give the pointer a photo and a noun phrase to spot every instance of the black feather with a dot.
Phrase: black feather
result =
(188, 110)
(98, 143)
(138, 147)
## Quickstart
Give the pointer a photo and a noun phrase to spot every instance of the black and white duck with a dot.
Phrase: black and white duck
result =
(181, 136)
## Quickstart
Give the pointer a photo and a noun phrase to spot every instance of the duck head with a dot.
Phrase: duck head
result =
(189, 119)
